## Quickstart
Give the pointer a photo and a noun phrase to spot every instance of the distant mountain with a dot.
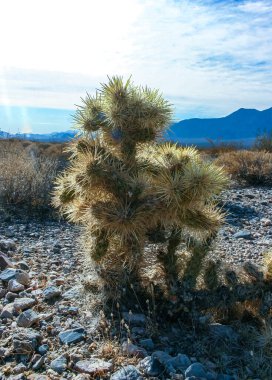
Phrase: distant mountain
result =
(3, 135)
(242, 125)
(50, 137)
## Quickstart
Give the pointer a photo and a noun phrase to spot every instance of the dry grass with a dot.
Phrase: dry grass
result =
(26, 175)
(247, 167)
(53, 150)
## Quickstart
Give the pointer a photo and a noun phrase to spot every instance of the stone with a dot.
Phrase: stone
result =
(266, 221)
(150, 367)
(19, 368)
(25, 294)
(36, 292)
(26, 341)
(20, 376)
(132, 350)
(243, 235)
(2, 330)
(5, 262)
(223, 331)
(211, 375)
(59, 364)
(134, 319)
(60, 281)
(7, 245)
(15, 286)
(23, 265)
(93, 366)
(39, 363)
(21, 304)
(26, 252)
(68, 310)
(22, 277)
(10, 296)
(195, 369)
(51, 292)
(3, 353)
(129, 372)
(38, 376)
(3, 292)
(225, 377)
(148, 344)
(8, 274)
(181, 362)
(72, 293)
(27, 318)
(165, 360)
(72, 335)
(7, 312)
(56, 248)
(35, 358)
(138, 331)
(43, 349)
(75, 357)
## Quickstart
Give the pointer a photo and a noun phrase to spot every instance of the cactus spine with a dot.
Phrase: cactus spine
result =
(123, 183)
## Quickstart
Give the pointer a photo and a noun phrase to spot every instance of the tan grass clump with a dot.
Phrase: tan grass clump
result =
(25, 177)
(253, 168)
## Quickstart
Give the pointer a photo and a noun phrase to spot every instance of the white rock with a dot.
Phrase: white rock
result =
(15, 286)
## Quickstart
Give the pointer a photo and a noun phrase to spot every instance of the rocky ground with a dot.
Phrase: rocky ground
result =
(247, 234)
(48, 330)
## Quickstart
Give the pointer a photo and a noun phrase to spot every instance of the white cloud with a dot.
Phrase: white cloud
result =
(39, 88)
(207, 57)
(65, 35)
(256, 6)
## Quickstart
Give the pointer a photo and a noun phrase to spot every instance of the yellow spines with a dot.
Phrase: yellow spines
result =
(122, 183)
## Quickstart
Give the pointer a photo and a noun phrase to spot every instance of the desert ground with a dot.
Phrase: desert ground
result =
(52, 325)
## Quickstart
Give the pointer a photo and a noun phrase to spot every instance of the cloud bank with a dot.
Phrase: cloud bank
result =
(207, 57)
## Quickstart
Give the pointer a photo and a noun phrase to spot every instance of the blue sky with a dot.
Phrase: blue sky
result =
(208, 57)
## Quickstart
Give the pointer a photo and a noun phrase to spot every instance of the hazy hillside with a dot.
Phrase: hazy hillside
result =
(243, 124)
(50, 137)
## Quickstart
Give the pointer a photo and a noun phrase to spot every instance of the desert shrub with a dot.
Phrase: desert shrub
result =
(128, 188)
(25, 177)
(33, 149)
(263, 142)
(55, 150)
(253, 168)
(51, 150)
(25, 143)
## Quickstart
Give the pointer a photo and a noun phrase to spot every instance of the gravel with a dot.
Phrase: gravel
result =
(47, 326)
(247, 233)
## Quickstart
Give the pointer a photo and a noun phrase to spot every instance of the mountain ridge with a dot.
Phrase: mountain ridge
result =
(242, 125)
(40, 137)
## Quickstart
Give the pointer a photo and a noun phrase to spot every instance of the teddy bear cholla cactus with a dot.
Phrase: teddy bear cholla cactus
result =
(123, 183)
